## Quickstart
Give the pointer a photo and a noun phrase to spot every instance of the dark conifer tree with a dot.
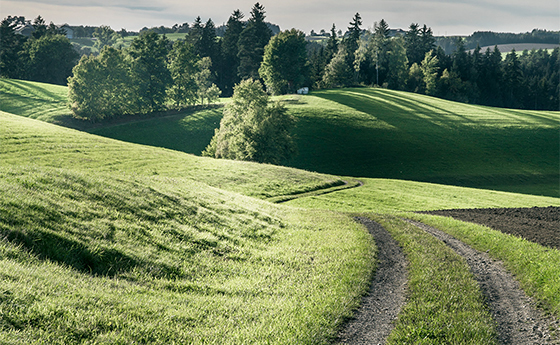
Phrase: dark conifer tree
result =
(252, 41)
(512, 80)
(332, 45)
(40, 28)
(414, 49)
(11, 47)
(194, 36)
(427, 39)
(461, 63)
(491, 78)
(354, 31)
(230, 50)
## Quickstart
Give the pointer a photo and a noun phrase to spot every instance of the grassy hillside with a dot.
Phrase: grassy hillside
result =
(94, 258)
(40, 101)
(398, 135)
(37, 143)
(365, 132)
(104, 241)
(111, 242)
(389, 134)
(389, 196)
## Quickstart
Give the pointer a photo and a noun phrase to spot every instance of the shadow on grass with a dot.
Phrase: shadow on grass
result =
(47, 245)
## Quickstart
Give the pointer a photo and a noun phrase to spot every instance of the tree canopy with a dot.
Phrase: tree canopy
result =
(284, 67)
(252, 129)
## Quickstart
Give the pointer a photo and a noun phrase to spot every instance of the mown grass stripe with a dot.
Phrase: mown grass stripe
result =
(537, 268)
(444, 304)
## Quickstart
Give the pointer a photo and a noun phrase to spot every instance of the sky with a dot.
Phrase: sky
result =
(445, 17)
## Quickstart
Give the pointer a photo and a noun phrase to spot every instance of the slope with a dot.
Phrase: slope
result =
(398, 135)
(110, 242)
(370, 133)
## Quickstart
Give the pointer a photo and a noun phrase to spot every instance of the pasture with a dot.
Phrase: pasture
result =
(126, 235)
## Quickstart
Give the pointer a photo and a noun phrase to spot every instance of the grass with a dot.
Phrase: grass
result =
(390, 196)
(41, 144)
(444, 304)
(380, 133)
(536, 267)
(95, 255)
(39, 101)
(372, 133)
(189, 131)
(105, 241)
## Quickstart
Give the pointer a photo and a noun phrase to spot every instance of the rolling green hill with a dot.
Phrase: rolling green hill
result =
(378, 133)
(391, 134)
(362, 132)
(105, 241)
(109, 242)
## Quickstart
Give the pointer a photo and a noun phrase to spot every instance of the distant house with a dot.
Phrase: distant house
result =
(69, 31)
(303, 91)
(24, 29)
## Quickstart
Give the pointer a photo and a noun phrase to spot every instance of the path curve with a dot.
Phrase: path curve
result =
(518, 321)
(373, 321)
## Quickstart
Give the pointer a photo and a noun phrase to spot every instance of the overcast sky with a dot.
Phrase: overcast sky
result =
(445, 17)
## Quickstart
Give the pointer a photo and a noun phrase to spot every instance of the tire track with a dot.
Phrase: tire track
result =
(372, 323)
(518, 321)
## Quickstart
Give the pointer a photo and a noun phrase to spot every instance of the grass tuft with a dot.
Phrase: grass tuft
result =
(444, 304)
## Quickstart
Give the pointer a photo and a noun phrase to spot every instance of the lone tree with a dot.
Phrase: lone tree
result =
(284, 67)
(251, 129)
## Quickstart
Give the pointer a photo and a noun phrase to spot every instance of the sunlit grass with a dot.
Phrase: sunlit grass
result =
(40, 101)
(444, 304)
(536, 267)
(88, 257)
(26, 141)
(385, 196)
(380, 133)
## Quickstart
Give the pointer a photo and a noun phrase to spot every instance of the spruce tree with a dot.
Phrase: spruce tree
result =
(252, 41)
(332, 45)
(234, 27)
(414, 49)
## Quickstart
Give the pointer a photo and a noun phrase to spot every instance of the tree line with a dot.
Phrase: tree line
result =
(413, 62)
(46, 56)
(161, 73)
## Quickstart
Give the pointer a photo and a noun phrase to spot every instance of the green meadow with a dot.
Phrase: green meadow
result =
(122, 233)
(379, 133)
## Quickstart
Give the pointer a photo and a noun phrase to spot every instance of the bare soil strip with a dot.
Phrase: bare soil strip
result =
(373, 321)
(518, 321)
(536, 224)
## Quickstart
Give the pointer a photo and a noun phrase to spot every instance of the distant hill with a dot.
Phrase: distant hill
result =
(491, 39)
(519, 47)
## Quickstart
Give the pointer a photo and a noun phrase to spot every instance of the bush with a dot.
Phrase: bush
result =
(253, 130)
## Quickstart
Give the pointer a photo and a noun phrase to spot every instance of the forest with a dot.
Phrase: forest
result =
(154, 73)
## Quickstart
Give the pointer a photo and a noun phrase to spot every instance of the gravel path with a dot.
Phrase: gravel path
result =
(373, 321)
(518, 321)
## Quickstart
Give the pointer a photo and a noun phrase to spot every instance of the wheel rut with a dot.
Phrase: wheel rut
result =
(373, 321)
(518, 322)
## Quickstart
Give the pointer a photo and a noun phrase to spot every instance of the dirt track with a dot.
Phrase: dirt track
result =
(537, 224)
(373, 321)
(518, 321)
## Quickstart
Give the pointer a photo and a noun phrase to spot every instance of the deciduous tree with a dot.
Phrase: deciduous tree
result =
(183, 68)
(152, 77)
(101, 86)
(284, 67)
(50, 59)
(253, 130)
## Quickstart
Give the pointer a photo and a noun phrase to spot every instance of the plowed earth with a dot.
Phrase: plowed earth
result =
(536, 224)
